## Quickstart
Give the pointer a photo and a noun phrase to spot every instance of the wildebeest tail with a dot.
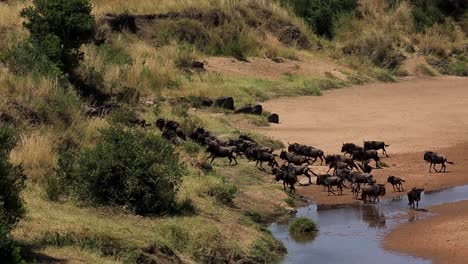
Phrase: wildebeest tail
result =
(449, 162)
(402, 180)
(387, 145)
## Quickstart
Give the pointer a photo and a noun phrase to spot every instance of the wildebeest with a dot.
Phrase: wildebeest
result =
(307, 151)
(349, 148)
(396, 181)
(299, 170)
(372, 191)
(330, 181)
(414, 196)
(293, 158)
(434, 158)
(365, 155)
(288, 178)
(218, 151)
(332, 161)
(365, 167)
(376, 145)
(261, 156)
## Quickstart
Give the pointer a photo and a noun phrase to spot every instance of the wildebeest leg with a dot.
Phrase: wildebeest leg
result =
(212, 159)
(443, 166)
(234, 159)
(321, 161)
(377, 164)
(284, 185)
(308, 176)
(430, 166)
(417, 204)
(385, 152)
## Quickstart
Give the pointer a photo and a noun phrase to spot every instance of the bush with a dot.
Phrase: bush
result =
(58, 28)
(129, 167)
(224, 192)
(11, 204)
(26, 59)
(322, 15)
(302, 225)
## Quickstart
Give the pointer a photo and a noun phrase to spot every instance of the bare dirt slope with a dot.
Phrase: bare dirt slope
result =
(267, 69)
(411, 116)
(447, 233)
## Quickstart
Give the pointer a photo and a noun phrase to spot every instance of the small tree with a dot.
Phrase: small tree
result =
(11, 204)
(58, 29)
(129, 167)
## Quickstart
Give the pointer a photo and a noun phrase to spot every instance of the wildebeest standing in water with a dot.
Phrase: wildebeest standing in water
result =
(433, 159)
(414, 196)
(396, 181)
(376, 145)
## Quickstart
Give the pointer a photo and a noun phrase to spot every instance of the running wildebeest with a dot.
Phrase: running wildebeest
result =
(330, 181)
(299, 170)
(261, 156)
(293, 158)
(433, 159)
(376, 145)
(307, 151)
(349, 148)
(414, 196)
(396, 181)
(332, 161)
(288, 178)
(366, 155)
(218, 151)
(372, 191)
(365, 168)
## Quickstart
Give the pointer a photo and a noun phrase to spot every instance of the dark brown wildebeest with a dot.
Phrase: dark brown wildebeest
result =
(218, 151)
(330, 181)
(293, 158)
(261, 156)
(372, 191)
(349, 148)
(299, 170)
(434, 158)
(414, 196)
(396, 181)
(332, 161)
(365, 167)
(366, 155)
(376, 145)
(287, 178)
(307, 151)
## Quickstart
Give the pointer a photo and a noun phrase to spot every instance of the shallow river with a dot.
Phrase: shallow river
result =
(353, 234)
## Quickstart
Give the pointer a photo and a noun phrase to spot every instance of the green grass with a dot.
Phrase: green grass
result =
(302, 225)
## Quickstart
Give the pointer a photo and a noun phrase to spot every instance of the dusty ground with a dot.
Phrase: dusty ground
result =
(411, 116)
(445, 235)
(270, 70)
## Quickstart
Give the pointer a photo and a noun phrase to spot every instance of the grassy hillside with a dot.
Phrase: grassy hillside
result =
(375, 41)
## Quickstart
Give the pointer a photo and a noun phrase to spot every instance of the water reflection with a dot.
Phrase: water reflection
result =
(373, 215)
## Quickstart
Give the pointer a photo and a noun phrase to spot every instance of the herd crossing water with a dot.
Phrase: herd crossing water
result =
(353, 234)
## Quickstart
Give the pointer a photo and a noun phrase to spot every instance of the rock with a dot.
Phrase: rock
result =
(6, 119)
(273, 118)
(225, 102)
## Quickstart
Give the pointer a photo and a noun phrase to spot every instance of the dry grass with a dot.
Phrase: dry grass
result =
(35, 152)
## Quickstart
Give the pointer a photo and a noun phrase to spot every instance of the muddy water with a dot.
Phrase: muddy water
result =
(353, 234)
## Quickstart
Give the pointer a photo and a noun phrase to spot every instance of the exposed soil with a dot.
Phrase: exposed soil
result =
(411, 116)
(270, 70)
(442, 238)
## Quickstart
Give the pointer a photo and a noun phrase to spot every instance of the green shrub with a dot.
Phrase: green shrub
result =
(459, 68)
(266, 249)
(322, 15)
(11, 204)
(302, 225)
(26, 59)
(224, 192)
(58, 28)
(129, 167)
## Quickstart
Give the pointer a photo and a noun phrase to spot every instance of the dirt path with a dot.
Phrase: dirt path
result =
(447, 233)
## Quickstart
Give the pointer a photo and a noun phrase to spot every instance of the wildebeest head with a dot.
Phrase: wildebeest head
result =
(283, 154)
(160, 123)
(417, 193)
(391, 179)
(428, 155)
(293, 147)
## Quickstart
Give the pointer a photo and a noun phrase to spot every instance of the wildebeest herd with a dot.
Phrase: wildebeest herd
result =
(348, 172)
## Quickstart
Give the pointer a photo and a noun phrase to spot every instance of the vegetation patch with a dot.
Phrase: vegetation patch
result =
(302, 225)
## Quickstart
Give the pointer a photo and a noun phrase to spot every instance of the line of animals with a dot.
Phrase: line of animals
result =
(354, 169)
